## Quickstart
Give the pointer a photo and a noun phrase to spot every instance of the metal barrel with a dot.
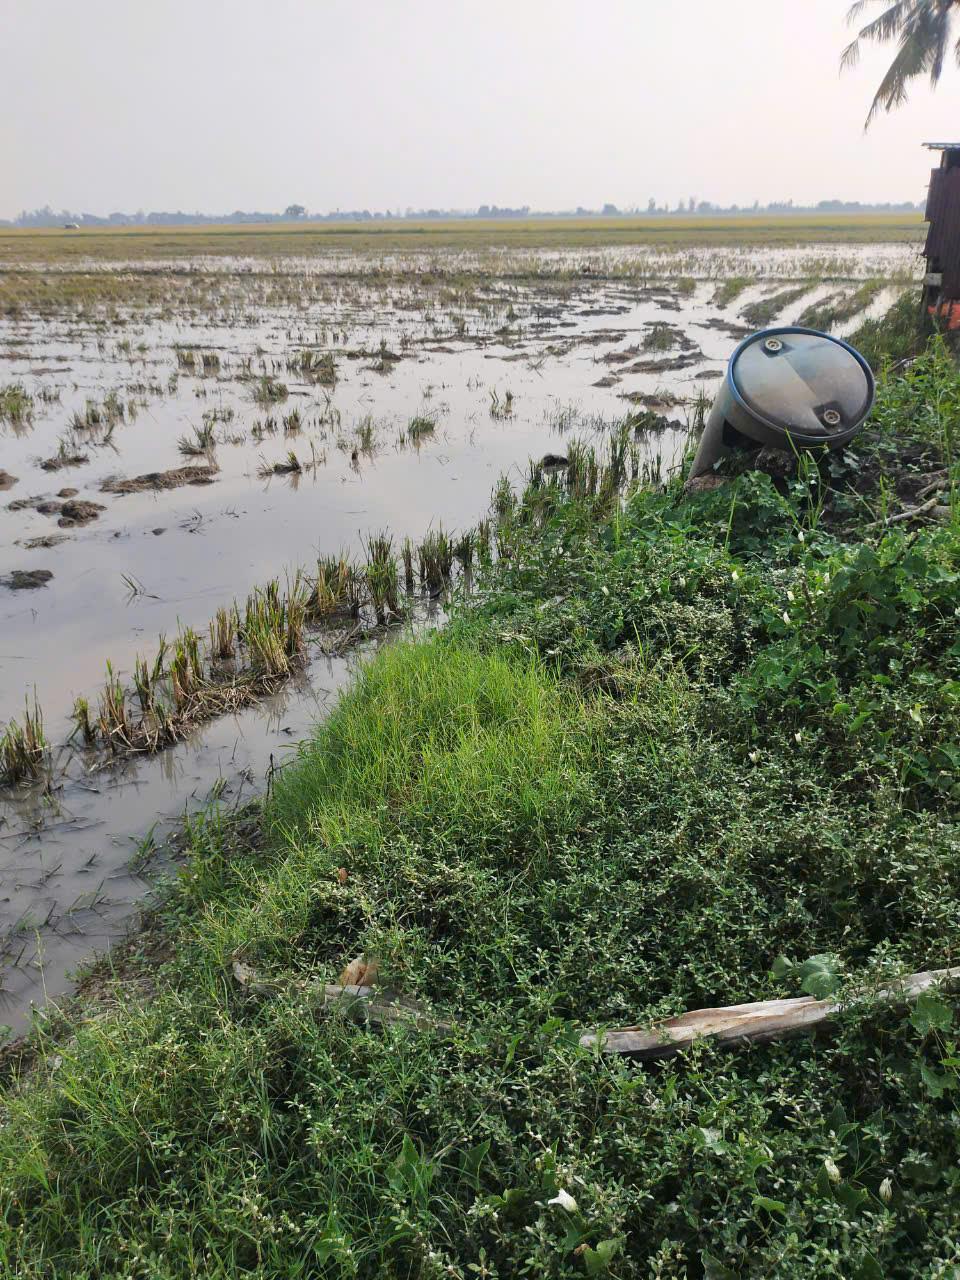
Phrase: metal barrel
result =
(789, 388)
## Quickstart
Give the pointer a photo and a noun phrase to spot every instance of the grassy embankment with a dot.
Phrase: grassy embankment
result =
(268, 239)
(662, 747)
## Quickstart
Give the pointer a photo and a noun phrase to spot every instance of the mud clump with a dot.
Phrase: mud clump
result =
(78, 512)
(158, 480)
(667, 365)
(7, 481)
(26, 579)
(61, 460)
(44, 543)
(67, 493)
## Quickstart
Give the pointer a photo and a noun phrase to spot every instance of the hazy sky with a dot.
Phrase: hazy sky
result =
(223, 104)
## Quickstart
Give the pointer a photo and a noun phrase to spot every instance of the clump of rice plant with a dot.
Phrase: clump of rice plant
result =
(186, 669)
(210, 362)
(504, 500)
(108, 413)
(16, 404)
(436, 560)
(464, 549)
(315, 365)
(295, 615)
(265, 631)
(82, 722)
(202, 441)
(186, 359)
(659, 337)
(500, 407)
(365, 433)
(382, 577)
(112, 716)
(269, 391)
(265, 426)
(420, 426)
(406, 553)
(291, 465)
(143, 685)
(23, 747)
(331, 591)
(292, 422)
(223, 635)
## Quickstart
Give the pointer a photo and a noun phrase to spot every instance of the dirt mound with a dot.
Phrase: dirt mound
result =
(76, 511)
(7, 481)
(157, 480)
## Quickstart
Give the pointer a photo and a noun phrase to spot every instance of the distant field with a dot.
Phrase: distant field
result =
(271, 239)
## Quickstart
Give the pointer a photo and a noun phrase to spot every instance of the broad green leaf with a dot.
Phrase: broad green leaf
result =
(931, 1013)
(936, 1084)
(868, 1269)
(597, 1259)
(714, 1269)
(819, 976)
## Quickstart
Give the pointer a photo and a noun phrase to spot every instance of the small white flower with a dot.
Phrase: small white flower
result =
(754, 756)
(826, 579)
(605, 590)
(797, 737)
(833, 1173)
(565, 1200)
(734, 577)
(800, 537)
(791, 597)
(683, 582)
(886, 1190)
(786, 617)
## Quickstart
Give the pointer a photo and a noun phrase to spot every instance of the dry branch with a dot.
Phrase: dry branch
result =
(363, 1003)
(748, 1023)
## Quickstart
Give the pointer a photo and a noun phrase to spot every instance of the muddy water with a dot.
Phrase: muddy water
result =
(154, 560)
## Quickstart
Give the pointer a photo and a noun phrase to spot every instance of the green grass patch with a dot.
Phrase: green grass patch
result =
(673, 753)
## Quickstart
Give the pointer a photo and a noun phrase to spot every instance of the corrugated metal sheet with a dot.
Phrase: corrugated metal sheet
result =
(942, 249)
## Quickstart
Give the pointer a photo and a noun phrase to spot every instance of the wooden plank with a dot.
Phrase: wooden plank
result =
(753, 1023)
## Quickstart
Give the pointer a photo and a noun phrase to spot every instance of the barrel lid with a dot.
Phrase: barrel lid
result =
(803, 382)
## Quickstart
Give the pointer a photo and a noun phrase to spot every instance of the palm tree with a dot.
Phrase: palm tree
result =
(922, 29)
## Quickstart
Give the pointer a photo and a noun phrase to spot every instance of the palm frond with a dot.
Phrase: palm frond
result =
(921, 29)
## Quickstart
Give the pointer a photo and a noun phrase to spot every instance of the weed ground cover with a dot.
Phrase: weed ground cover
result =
(674, 751)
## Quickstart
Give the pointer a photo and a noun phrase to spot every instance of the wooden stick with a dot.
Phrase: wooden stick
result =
(912, 513)
(755, 1023)
(363, 1003)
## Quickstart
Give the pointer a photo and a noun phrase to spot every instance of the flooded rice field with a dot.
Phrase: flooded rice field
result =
(174, 436)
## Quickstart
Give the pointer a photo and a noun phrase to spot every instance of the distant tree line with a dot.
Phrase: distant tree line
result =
(47, 217)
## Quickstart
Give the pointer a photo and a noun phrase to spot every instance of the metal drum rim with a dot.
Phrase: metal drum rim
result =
(816, 333)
